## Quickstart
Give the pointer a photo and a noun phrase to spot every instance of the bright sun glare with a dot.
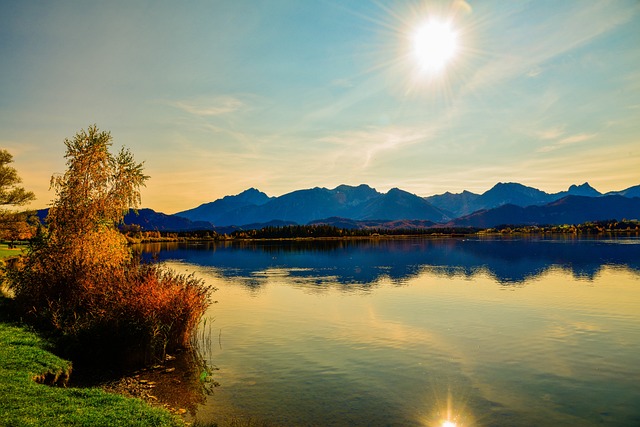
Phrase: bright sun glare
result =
(434, 44)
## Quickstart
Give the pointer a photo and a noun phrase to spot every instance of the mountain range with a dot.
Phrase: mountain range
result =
(303, 206)
(363, 207)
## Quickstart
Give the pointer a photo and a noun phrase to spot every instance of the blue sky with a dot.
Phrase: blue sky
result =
(220, 96)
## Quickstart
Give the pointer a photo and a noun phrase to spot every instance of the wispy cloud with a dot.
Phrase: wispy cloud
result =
(215, 106)
(534, 72)
(567, 140)
(360, 147)
(581, 137)
(543, 41)
(553, 133)
(342, 83)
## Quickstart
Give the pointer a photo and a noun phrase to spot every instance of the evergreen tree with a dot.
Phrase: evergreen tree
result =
(13, 225)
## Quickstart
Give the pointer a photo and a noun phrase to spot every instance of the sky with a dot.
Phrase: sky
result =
(223, 95)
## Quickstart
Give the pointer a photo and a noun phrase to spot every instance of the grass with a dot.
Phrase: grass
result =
(6, 252)
(25, 358)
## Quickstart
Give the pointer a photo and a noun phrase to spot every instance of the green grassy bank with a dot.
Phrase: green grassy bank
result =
(6, 252)
(25, 359)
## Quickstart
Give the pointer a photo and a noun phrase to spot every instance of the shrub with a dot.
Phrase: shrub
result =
(79, 277)
(128, 312)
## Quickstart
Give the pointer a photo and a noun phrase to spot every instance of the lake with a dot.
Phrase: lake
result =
(539, 331)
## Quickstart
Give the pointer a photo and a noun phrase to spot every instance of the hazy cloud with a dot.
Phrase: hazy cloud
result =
(211, 107)
(342, 83)
(581, 137)
(366, 144)
(534, 72)
(553, 133)
(568, 140)
(547, 39)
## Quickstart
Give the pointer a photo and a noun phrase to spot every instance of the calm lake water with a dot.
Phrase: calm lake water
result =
(421, 332)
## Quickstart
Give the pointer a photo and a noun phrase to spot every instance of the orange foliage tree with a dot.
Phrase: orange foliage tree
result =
(81, 278)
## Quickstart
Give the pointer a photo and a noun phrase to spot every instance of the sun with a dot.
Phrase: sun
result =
(435, 44)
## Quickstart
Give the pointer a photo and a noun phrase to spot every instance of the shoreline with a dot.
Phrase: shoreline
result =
(389, 236)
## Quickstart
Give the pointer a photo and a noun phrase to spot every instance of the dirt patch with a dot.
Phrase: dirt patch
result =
(180, 385)
(56, 379)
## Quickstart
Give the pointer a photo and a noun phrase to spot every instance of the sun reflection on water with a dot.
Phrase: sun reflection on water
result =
(448, 414)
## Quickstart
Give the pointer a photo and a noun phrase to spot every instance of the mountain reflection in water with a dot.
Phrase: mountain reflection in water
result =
(413, 332)
(510, 261)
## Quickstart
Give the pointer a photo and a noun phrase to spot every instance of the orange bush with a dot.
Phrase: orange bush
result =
(136, 311)
(79, 277)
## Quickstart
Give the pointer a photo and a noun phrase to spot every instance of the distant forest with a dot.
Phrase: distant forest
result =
(135, 235)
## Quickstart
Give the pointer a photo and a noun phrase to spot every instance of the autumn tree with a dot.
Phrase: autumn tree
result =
(14, 225)
(98, 188)
(18, 226)
(80, 277)
(92, 198)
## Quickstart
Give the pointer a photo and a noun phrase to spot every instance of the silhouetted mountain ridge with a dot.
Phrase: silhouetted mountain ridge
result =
(358, 206)
(568, 210)
(504, 203)
(582, 190)
(212, 211)
(629, 192)
(302, 206)
(504, 194)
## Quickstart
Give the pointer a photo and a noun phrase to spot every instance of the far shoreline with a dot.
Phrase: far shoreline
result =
(434, 236)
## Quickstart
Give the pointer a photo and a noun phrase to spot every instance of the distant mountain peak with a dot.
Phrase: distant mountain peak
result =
(510, 186)
(354, 195)
(345, 187)
(512, 189)
(583, 190)
(213, 210)
(251, 190)
(251, 195)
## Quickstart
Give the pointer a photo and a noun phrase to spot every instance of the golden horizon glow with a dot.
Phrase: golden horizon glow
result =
(435, 43)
